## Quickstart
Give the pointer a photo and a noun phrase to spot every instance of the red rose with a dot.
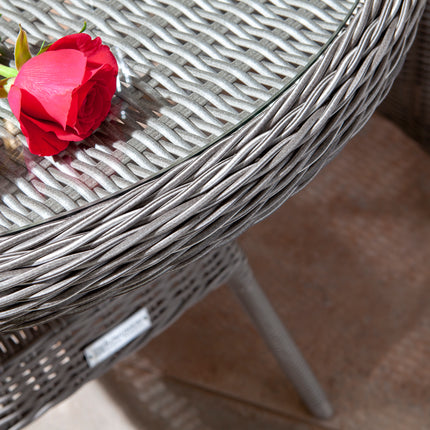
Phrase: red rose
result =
(65, 93)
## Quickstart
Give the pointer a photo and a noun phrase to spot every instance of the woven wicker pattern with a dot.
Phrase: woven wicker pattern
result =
(116, 246)
(40, 367)
(190, 72)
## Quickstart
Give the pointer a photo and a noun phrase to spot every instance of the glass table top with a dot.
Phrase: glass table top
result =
(191, 72)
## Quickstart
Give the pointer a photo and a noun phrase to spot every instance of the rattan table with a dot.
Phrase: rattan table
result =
(224, 109)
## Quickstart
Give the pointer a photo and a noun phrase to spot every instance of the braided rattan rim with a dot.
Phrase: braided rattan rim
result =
(71, 264)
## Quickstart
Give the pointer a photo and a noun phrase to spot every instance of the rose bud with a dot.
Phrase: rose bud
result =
(65, 93)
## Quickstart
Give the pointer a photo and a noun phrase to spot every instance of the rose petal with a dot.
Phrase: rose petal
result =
(79, 41)
(47, 126)
(105, 57)
(93, 49)
(29, 122)
(40, 142)
(14, 99)
(33, 107)
(78, 98)
(105, 78)
(94, 110)
(50, 79)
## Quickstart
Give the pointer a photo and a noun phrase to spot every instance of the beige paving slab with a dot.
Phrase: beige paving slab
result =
(220, 412)
(155, 401)
(90, 408)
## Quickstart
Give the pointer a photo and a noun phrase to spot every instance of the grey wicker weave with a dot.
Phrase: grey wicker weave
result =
(49, 357)
(166, 183)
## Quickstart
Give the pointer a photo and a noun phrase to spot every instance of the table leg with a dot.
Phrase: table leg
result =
(255, 302)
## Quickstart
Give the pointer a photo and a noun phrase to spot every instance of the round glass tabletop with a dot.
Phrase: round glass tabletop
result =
(191, 72)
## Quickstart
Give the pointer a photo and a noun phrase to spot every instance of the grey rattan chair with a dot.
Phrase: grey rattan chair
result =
(408, 103)
(146, 215)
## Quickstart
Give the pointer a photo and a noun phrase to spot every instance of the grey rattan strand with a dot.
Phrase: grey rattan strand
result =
(72, 263)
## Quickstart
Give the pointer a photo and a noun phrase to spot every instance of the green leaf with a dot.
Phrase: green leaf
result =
(7, 72)
(22, 51)
(84, 27)
(3, 92)
(5, 85)
(43, 48)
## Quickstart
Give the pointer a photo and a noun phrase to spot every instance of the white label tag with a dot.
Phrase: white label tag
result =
(118, 337)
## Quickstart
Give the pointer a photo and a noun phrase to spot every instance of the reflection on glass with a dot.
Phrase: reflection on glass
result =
(190, 75)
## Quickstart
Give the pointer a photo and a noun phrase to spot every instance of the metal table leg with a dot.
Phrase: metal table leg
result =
(255, 302)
